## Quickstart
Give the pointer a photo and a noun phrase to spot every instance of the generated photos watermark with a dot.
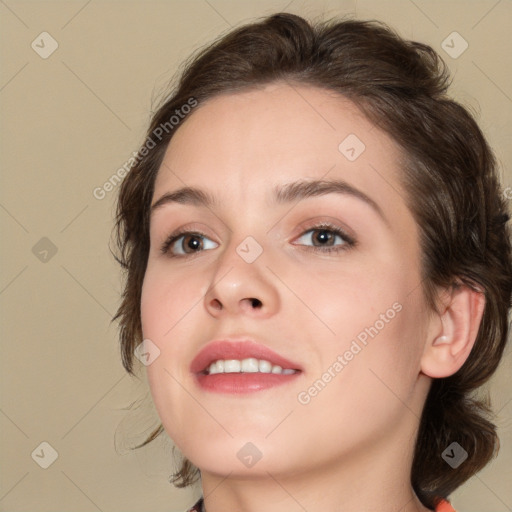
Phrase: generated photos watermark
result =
(356, 346)
(156, 135)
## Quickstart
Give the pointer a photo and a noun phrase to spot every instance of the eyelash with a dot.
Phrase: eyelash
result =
(349, 242)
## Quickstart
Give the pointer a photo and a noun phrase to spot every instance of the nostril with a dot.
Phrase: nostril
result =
(216, 304)
(256, 303)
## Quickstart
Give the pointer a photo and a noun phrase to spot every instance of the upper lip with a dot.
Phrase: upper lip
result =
(241, 348)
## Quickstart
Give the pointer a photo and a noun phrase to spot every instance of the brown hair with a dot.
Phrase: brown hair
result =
(449, 173)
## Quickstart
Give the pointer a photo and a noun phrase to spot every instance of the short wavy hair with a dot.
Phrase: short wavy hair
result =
(448, 170)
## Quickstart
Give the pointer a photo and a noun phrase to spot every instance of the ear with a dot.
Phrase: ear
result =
(453, 332)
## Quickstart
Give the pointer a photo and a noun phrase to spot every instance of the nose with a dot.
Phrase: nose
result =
(241, 288)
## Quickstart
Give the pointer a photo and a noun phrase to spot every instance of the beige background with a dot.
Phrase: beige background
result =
(68, 123)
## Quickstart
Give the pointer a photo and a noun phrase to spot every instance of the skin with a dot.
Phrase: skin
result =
(350, 448)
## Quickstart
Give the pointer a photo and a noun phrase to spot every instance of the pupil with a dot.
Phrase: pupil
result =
(193, 243)
(324, 236)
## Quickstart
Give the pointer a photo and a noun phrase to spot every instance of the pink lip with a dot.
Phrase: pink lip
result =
(224, 349)
(239, 382)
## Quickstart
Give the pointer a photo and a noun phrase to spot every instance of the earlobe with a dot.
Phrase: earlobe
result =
(447, 349)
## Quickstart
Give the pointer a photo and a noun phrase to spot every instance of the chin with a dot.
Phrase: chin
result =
(240, 456)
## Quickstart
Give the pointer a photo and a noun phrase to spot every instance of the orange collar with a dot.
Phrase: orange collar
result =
(444, 506)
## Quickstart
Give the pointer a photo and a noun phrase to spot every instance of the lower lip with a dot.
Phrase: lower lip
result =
(238, 383)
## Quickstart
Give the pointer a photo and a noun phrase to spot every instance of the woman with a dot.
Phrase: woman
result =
(318, 272)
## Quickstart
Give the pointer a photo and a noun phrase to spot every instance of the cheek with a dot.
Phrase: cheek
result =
(384, 372)
(375, 318)
(166, 300)
(167, 304)
(348, 302)
(167, 318)
(369, 374)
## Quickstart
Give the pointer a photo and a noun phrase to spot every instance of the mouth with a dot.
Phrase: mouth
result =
(241, 367)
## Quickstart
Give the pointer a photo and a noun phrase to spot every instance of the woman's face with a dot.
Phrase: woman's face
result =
(341, 303)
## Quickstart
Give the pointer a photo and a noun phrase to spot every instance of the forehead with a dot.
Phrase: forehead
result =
(244, 144)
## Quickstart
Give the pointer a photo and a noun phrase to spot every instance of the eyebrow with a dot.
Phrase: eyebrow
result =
(282, 194)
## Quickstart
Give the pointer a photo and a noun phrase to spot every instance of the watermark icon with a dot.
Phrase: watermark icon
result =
(454, 45)
(304, 397)
(156, 135)
(44, 45)
(45, 455)
(454, 455)
(508, 193)
(249, 250)
(146, 352)
(249, 455)
(351, 147)
(44, 250)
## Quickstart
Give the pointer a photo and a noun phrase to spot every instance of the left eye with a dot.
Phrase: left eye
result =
(326, 237)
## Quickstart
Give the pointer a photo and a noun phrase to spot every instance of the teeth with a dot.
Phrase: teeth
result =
(231, 366)
(250, 365)
(276, 369)
(265, 366)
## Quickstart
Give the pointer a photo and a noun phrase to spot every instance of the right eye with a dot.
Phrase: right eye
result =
(182, 243)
